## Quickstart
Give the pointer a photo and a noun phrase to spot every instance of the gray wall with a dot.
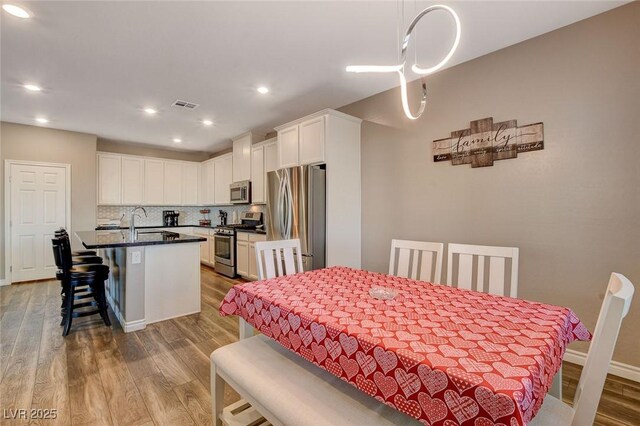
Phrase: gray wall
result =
(20, 142)
(573, 208)
(109, 145)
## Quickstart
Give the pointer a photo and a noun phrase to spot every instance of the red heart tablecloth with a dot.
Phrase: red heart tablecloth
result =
(441, 355)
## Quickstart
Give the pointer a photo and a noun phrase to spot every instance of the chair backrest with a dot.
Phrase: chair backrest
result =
(56, 244)
(614, 308)
(496, 257)
(62, 253)
(416, 260)
(277, 258)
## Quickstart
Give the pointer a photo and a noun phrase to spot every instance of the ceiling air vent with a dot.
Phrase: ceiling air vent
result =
(184, 104)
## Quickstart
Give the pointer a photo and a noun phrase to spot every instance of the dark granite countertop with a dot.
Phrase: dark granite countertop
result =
(122, 238)
(250, 231)
(111, 228)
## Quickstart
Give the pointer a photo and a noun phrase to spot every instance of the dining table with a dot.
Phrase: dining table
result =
(442, 355)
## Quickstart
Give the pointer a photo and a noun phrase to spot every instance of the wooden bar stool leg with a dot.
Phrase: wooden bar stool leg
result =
(63, 295)
(102, 303)
(68, 314)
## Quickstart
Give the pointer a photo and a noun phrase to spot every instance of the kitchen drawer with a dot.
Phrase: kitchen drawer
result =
(204, 232)
(257, 237)
(244, 236)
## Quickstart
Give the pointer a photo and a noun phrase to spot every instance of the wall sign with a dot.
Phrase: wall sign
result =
(485, 142)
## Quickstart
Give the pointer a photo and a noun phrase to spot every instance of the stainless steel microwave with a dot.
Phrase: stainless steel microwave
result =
(240, 192)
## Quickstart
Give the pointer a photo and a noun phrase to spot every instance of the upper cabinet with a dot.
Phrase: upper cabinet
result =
(153, 182)
(172, 183)
(190, 183)
(288, 147)
(271, 156)
(132, 180)
(242, 157)
(223, 177)
(207, 183)
(312, 136)
(264, 158)
(109, 179)
(257, 175)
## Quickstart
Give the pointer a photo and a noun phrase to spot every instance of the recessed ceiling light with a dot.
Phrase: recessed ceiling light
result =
(177, 140)
(42, 120)
(207, 122)
(16, 11)
(263, 90)
(32, 87)
(150, 111)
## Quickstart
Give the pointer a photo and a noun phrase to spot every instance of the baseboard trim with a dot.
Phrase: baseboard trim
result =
(616, 368)
(134, 325)
(3, 282)
(126, 326)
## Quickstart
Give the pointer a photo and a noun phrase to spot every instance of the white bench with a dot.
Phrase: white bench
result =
(286, 389)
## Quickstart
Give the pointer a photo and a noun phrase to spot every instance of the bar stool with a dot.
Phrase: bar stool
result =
(83, 257)
(82, 286)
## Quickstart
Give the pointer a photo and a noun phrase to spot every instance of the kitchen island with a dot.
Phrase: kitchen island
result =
(153, 276)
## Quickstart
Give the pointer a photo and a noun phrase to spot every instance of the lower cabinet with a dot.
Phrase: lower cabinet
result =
(242, 257)
(204, 251)
(212, 251)
(206, 247)
(246, 254)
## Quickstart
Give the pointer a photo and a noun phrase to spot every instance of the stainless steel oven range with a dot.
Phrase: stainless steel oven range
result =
(224, 240)
(225, 251)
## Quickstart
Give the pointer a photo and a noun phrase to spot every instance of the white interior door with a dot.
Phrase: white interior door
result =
(38, 208)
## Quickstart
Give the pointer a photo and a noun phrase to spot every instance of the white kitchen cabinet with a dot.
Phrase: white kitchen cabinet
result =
(190, 183)
(242, 158)
(109, 179)
(270, 157)
(223, 177)
(302, 143)
(242, 258)
(207, 183)
(246, 254)
(311, 149)
(204, 245)
(212, 251)
(172, 183)
(258, 190)
(153, 182)
(132, 181)
(204, 251)
(253, 266)
(264, 158)
(288, 147)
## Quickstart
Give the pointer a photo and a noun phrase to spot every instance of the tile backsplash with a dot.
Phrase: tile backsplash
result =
(188, 215)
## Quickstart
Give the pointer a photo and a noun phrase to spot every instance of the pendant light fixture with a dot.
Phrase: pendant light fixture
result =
(400, 68)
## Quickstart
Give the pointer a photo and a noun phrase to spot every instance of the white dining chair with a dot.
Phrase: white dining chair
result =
(496, 256)
(274, 259)
(416, 260)
(585, 403)
(278, 258)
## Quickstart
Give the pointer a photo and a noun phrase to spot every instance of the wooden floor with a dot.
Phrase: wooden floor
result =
(159, 375)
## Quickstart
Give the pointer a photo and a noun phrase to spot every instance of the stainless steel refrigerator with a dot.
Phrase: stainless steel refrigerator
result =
(296, 208)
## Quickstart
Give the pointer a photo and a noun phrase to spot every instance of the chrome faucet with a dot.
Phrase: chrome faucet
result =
(132, 222)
